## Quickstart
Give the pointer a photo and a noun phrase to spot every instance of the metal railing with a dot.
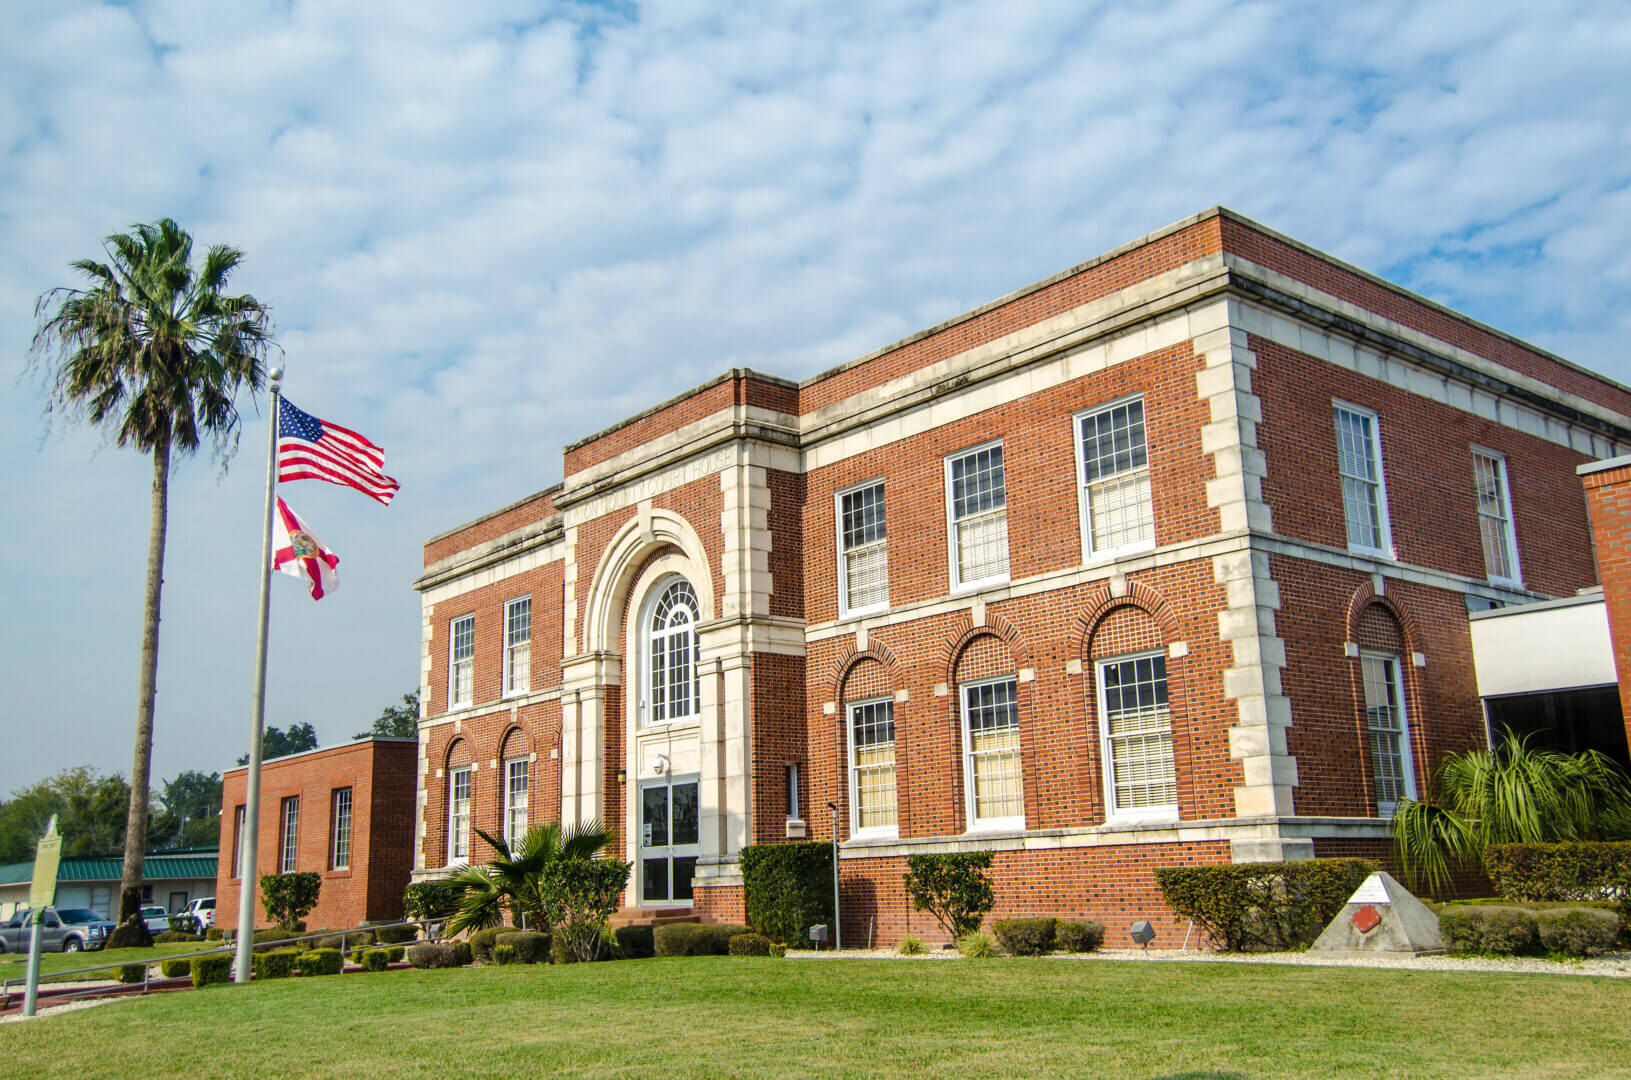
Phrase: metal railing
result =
(431, 927)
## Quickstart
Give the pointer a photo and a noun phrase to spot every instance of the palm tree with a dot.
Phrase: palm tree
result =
(1514, 794)
(516, 879)
(153, 352)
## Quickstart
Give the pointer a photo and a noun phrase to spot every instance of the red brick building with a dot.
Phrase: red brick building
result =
(1165, 559)
(345, 812)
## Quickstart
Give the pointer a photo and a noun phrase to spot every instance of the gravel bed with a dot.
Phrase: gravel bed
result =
(1611, 965)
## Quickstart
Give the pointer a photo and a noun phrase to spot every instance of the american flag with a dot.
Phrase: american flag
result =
(313, 449)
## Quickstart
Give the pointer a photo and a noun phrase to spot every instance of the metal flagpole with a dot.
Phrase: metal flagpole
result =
(252, 786)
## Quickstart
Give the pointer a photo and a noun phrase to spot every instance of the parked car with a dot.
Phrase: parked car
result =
(156, 918)
(202, 909)
(65, 930)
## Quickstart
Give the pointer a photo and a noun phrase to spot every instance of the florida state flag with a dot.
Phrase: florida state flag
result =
(298, 553)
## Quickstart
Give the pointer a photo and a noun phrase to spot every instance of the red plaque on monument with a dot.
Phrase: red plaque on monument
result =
(1366, 919)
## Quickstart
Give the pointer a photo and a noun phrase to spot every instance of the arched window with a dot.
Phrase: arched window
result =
(673, 690)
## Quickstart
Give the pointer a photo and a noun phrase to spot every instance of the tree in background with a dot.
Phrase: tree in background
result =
(90, 809)
(276, 742)
(397, 721)
(154, 353)
(190, 814)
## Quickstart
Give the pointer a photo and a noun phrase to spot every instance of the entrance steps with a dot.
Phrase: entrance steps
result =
(652, 916)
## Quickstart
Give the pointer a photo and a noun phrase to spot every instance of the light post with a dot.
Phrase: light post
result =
(837, 905)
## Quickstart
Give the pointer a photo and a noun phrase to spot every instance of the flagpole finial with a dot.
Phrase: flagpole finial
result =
(276, 375)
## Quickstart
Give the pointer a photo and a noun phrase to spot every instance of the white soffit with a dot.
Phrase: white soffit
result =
(1555, 645)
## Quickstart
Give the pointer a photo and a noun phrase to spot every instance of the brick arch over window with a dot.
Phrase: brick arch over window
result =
(1377, 623)
(516, 742)
(996, 627)
(859, 675)
(459, 753)
(1138, 622)
(987, 652)
(851, 657)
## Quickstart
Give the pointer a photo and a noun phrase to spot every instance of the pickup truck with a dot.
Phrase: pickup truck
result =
(65, 930)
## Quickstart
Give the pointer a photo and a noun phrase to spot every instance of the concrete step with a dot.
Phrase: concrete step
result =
(652, 916)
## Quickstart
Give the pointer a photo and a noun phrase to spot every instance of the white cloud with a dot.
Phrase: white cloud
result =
(489, 229)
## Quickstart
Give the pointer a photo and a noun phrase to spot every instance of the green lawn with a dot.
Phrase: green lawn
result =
(15, 965)
(723, 1016)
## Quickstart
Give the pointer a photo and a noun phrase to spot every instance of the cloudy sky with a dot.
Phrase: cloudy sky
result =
(487, 229)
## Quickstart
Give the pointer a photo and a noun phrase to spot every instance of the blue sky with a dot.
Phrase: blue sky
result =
(487, 229)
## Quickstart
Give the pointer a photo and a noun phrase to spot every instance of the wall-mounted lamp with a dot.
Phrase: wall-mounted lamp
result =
(622, 776)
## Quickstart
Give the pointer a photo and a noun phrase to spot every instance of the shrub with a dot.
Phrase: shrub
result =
(749, 944)
(1488, 929)
(635, 942)
(433, 900)
(184, 924)
(393, 953)
(205, 970)
(350, 941)
(1599, 871)
(503, 954)
(321, 962)
(288, 898)
(275, 963)
(789, 889)
(527, 946)
(778, 950)
(439, 954)
(1078, 937)
(560, 954)
(175, 967)
(954, 888)
(1279, 905)
(375, 960)
(170, 937)
(1578, 931)
(976, 945)
(911, 946)
(481, 942)
(578, 896)
(214, 933)
(395, 935)
(1025, 937)
(696, 939)
(132, 973)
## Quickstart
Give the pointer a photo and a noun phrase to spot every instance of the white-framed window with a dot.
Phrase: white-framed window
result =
(461, 668)
(238, 842)
(517, 646)
(1135, 727)
(794, 795)
(289, 847)
(459, 785)
(872, 767)
(863, 550)
(977, 516)
(1392, 774)
(1364, 490)
(674, 655)
(991, 764)
(1495, 517)
(1113, 477)
(339, 842)
(517, 775)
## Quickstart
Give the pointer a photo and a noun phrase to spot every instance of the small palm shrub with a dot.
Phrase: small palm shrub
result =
(503, 955)
(1025, 937)
(1578, 931)
(976, 945)
(911, 946)
(749, 944)
(1078, 937)
(526, 946)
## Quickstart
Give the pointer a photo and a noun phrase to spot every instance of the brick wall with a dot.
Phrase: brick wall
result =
(380, 774)
(1608, 493)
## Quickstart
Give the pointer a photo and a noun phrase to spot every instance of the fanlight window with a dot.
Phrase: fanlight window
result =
(673, 689)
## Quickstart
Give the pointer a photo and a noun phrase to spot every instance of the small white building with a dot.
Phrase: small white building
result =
(170, 879)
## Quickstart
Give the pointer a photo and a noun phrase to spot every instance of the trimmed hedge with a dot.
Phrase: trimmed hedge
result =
(171, 936)
(1281, 905)
(207, 970)
(749, 944)
(321, 962)
(788, 888)
(350, 941)
(481, 942)
(696, 939)
(526, 946)
(1488, 929)
(439, 954)
(395, 935)
(375, 960)
(214, 933)
(1600, 871)
(1078, 937)
(133, 973)
(635, 942)
(175, 967)
(1580, 931)
(1025, 937)
(275, 963)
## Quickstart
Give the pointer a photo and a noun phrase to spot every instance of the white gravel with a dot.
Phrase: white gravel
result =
(1611, 965)
(52, 1010)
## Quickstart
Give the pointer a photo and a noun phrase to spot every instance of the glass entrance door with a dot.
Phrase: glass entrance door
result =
(668, 839)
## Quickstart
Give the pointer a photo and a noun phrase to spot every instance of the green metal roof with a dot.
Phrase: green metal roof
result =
(156, 867)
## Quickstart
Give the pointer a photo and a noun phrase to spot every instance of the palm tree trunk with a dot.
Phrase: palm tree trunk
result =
(132, 930)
